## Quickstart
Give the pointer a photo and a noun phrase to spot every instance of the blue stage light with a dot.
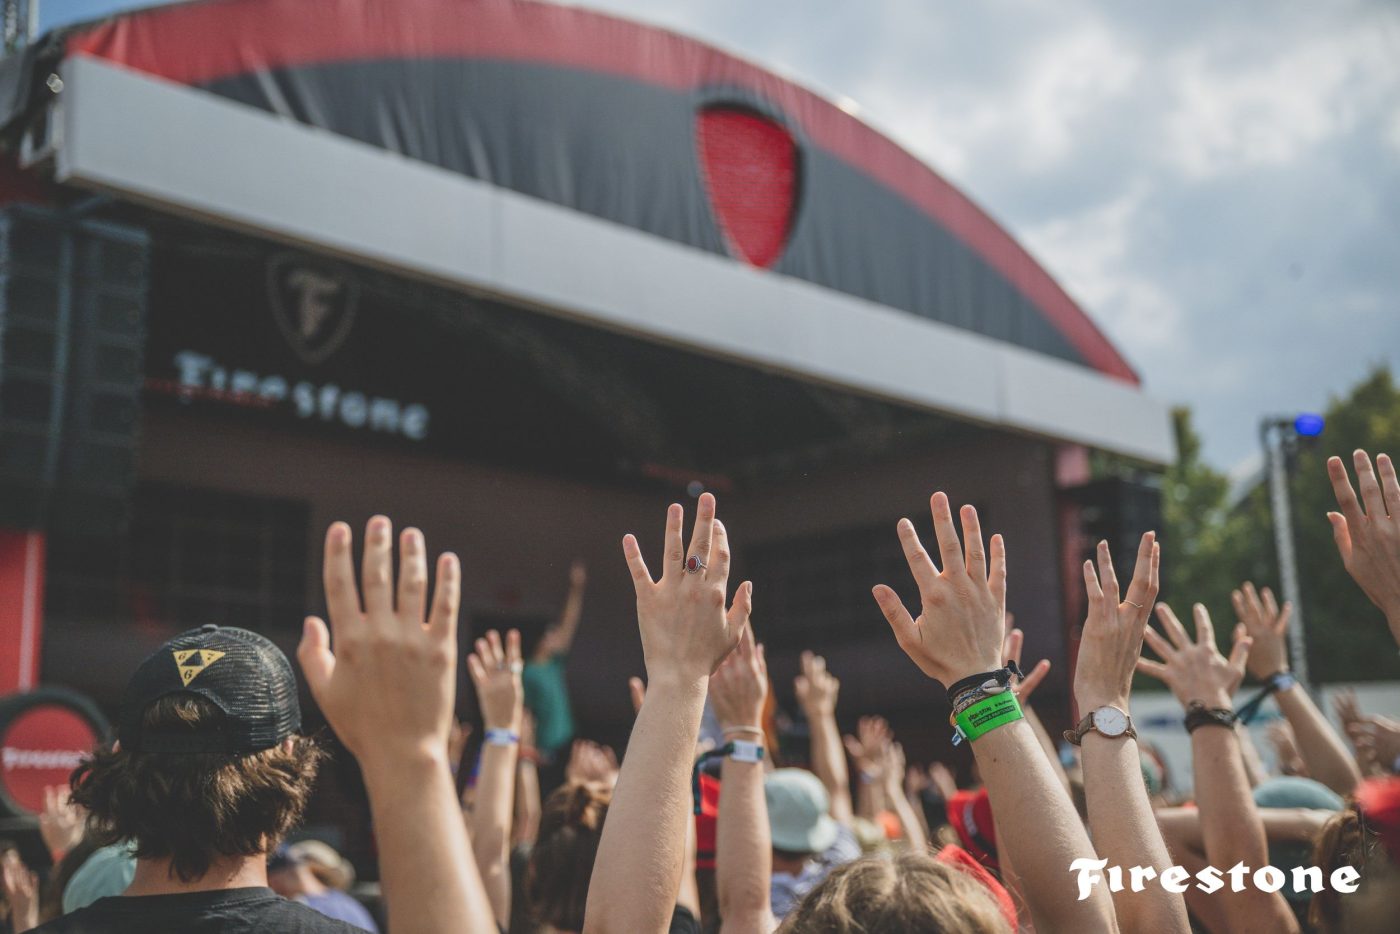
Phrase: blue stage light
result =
(1309, 425)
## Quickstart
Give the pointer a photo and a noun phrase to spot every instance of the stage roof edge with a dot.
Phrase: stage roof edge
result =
(241, 168)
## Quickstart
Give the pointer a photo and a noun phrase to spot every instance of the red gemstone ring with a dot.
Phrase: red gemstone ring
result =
(694, 565)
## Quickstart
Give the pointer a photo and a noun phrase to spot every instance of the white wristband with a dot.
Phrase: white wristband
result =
(745, 751)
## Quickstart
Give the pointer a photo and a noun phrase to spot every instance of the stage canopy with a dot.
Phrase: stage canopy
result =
(617, 175)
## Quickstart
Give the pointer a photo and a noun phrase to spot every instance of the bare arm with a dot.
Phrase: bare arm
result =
(959, 633)
(1196, 672)
(1011, 649)
(1120, 813)
(495, 670)
(1323, 751)
(388, 694)
(1367, 531)
(685, 634)
(560, 637)
(817, 689)
(527, 789)
(869, 748)
(915, 835)
(743, 847)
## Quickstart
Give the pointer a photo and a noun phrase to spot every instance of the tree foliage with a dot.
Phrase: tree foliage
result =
(1209, 545)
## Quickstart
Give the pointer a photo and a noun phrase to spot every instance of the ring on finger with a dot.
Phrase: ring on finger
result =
(1138, 605)
(516, 667)
(693, 565)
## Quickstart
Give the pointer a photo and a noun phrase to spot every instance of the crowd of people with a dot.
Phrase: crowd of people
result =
(178, 826)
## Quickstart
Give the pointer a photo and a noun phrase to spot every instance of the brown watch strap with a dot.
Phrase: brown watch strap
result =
(1076, 736)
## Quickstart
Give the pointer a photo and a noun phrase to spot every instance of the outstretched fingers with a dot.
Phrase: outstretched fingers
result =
(1172, 626)
(338, 577)
(906, 631)
(920, 564)
(1370, 487)
(949, 548)
(413, 577)
(1205, 630)
(719, 555)
(702, 537)
(975, 554)
(447, 598)
(377, 570)
(1142, 589)
(1346, 496)
(1390, 484)
(1107, 576)
(632, 551)
(314, 655)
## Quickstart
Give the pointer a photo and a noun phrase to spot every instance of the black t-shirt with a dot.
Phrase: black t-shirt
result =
(225, 911)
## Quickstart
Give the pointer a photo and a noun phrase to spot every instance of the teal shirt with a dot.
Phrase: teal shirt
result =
(547, 696)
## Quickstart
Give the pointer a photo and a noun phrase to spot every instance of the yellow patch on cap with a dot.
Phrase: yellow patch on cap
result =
(191, 662)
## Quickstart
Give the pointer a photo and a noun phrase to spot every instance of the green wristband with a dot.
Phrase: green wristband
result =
(988, 714)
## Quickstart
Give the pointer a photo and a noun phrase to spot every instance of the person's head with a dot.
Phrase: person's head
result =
(911, 892)
(1358, 837)
(798, 821)
(208, 765)
(561, 863)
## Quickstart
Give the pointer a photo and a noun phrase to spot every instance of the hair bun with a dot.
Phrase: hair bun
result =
(585, 804)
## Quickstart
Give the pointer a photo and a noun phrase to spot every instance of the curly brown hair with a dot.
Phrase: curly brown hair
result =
(912, 892)
(561, 863)
(193, 808)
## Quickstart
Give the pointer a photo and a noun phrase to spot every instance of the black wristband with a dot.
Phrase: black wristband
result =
(971, 683)
(1199, 715)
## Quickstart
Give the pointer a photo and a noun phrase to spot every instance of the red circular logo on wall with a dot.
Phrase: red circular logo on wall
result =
(41, 746)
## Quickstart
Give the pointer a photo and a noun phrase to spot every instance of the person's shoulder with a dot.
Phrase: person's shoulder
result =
(293, 917)
(89, 920)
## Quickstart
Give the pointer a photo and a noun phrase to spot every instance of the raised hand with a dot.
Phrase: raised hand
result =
(960, 627)
(1011, 648)
(870, 747)
(1195, 671)
(1267, 625)
(1285, 743)
(1369, 538)
(495, 670)
(20, 887)
(816, 687)
(1113, 631)
(739, 686)
(1348, 710)
(61, 821)
(1378, 740)
(389, 687)
(591, 762)
(685, 630)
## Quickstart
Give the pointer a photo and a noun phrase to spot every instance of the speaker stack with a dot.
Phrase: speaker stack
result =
(72, 338)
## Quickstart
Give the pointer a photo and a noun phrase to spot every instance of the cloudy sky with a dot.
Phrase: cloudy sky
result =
(1218, 184)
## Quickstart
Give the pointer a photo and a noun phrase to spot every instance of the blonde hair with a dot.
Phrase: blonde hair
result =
(912, 892)
(325, 863)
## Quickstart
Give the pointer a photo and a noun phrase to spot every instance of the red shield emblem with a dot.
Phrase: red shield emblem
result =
(749, 166)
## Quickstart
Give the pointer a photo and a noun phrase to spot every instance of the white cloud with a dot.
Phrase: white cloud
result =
(1090, 254)
(1231, 113)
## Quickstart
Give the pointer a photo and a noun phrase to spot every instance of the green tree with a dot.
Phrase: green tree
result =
(1347, 635)
(1209, 547)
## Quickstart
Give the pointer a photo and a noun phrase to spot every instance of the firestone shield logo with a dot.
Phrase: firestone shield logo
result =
(313, 302)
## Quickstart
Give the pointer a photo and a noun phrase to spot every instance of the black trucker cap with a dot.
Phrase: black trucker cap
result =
(240, 672)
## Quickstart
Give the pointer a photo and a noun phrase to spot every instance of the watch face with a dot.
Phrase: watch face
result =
(1110, 721)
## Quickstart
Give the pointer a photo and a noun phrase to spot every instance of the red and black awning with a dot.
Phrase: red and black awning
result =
(628, 123)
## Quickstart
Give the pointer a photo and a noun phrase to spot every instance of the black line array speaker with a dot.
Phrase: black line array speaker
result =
(72, 339)
(1119, 510)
